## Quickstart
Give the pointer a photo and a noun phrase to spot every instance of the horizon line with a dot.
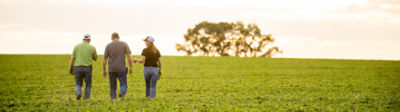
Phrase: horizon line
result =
(216, 56)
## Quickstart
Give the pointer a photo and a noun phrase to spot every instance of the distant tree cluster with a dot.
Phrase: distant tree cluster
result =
(227, 39)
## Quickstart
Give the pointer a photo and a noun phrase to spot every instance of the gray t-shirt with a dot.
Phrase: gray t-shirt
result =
(116, 51)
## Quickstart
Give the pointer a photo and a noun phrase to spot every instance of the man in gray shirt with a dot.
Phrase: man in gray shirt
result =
(115, 53)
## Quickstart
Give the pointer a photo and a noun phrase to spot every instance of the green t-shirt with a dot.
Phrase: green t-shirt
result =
(83, 54)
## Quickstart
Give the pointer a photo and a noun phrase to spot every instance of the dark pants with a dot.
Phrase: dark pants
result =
(80, 75)
(121, 76)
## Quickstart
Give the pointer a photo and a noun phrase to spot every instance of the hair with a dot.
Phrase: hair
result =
(114, 35)
(153, 48)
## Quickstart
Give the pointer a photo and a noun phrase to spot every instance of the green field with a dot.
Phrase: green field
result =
(42, 82)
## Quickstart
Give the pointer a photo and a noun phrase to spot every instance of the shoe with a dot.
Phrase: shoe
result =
(121, 95)
(78, 97)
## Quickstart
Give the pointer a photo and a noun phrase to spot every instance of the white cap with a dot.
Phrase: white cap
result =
(149, 38)
(86, 37)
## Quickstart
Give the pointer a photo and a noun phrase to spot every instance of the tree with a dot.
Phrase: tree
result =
(225, 39)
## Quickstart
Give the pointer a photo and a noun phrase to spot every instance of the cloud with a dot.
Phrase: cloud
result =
(384, 2)
(378, 12)
(390, 7)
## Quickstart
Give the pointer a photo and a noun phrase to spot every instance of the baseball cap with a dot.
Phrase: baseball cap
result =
(149, 38)
(86, 37)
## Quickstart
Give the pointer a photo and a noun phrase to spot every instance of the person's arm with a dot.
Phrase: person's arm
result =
(104, 67)
(141, 60)
(130, 63)
(72, 61)
(94, 54)
(73, 56)
(159, 64)
(106, 55)
(71, 64)
(128, 55)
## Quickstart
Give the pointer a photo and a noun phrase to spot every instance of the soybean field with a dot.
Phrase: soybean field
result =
(43, 83)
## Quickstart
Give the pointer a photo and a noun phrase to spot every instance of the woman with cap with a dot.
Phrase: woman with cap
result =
(152, 66)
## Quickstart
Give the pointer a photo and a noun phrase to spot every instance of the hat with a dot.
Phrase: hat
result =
(149, 38)
(86, 37)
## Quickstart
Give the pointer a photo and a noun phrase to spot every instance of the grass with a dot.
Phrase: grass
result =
(42, 83)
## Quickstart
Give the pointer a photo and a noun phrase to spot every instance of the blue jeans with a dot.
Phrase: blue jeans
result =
(80, 75)
(121, 76)
(150, 77)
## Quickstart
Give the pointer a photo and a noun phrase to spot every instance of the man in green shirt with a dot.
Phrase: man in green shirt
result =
(81, 60)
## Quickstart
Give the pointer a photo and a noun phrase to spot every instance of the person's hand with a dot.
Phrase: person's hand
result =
(71, 70)
(130, 70)
(104, 74)
(135, 60)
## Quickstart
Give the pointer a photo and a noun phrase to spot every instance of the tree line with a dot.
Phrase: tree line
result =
(227, 39)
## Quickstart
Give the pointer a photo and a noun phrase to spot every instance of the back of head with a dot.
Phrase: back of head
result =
(153, 48)
(86, 38)
(115, 35)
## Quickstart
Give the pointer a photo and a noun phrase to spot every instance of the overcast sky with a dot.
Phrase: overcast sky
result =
(351, 29)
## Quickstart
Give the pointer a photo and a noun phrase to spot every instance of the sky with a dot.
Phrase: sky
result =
(339, 29)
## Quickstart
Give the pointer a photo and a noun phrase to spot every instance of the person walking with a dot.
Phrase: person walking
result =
(115, 54)
(81, 66)
(151, 58)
